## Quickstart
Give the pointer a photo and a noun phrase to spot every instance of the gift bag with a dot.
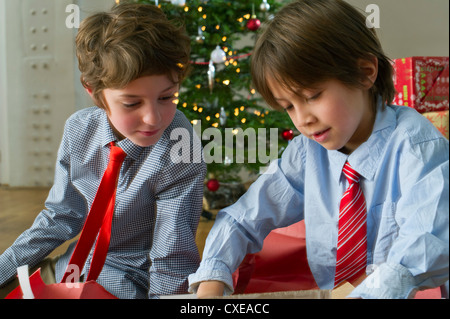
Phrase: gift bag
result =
(98, 223)
(97, 226)
(33, 287)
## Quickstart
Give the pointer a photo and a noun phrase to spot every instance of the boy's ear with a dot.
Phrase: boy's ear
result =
(369, 66)
(87, 87)
(89, 91)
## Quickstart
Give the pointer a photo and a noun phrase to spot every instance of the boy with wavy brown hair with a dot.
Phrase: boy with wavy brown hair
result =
(132, 61)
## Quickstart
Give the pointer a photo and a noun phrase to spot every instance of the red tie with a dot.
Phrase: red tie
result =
(99, 219)
(351, 256)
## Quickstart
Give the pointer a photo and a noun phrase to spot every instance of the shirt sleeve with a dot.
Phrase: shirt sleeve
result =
(60, 221)
(418, 258)
(272, 201)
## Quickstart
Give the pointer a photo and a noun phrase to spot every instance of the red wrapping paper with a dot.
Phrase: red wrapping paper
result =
(281, 265)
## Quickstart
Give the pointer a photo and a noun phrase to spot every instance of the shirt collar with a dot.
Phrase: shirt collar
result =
(365, 159)
(108, 136)
(106, 131)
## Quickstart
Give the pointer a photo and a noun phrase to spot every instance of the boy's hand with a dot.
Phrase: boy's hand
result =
(210, 289)
(357, 281)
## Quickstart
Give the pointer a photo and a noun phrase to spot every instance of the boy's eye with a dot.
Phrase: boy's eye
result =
(288, 108)
(131, 104)
(169, 97)
(165, 98)
(314, 97)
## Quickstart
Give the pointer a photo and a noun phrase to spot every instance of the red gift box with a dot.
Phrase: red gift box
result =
(422, 83)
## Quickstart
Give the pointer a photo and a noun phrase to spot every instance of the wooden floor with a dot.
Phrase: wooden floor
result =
(19, 207)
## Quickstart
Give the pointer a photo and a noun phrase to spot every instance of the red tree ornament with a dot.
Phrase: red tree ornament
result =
(213, 185)
(253, 24)
(287, 134)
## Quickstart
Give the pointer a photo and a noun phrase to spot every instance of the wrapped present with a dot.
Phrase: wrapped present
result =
(440, 120)
(422, 83)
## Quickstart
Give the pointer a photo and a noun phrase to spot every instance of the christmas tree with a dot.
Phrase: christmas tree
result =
(218, 92)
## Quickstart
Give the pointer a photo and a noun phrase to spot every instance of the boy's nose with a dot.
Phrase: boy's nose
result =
(151, 115)
(305, 118)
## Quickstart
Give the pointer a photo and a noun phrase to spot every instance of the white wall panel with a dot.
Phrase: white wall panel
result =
(37, 88)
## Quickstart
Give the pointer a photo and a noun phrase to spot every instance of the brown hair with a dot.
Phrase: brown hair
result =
(311, 41)
(133, 40)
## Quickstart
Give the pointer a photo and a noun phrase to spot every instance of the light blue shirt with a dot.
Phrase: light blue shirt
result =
(404, 167)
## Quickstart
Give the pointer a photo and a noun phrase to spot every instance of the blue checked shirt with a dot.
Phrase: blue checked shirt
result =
(158, 206)
(404, 168)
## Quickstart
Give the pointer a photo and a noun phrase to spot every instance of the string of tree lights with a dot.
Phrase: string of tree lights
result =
(218, 92)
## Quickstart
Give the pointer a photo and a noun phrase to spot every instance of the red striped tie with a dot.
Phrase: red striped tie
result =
(351, 256)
